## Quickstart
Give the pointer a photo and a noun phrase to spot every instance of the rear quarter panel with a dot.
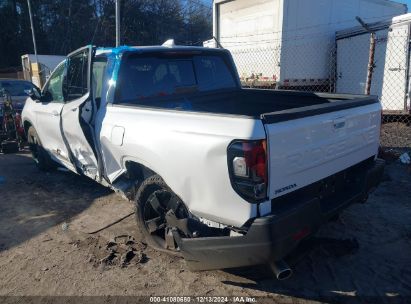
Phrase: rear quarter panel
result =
(188, 150)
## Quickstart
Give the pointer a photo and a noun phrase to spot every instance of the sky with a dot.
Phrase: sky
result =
(209, 2)
(408, 2)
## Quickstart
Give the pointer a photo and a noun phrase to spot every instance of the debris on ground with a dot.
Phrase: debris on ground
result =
(388, 155)
(405, 159)
(64, 226)
(121, 251)
(112, 223)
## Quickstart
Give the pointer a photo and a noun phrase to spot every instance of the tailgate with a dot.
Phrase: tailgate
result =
(306, 145)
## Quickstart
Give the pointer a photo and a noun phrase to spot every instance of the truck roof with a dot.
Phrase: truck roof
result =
(155, 48)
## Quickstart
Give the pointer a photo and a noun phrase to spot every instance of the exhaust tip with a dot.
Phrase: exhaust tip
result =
(281, 270)
(284, 275)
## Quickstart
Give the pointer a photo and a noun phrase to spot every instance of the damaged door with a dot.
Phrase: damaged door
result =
(78, 111)
(47, 112)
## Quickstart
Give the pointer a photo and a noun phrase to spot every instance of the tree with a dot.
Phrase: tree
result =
(62, 26)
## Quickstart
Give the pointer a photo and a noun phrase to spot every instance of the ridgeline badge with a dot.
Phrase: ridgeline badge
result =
(285, 189)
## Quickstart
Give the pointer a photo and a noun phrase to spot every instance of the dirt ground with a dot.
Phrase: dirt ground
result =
(46, 248)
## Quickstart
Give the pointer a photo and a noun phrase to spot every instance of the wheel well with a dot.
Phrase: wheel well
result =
(130, 181)
(137, 171)
(27, 125)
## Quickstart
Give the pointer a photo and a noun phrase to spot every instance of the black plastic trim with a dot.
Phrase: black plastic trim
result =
(333, 106)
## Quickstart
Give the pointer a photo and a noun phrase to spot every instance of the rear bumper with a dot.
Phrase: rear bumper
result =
(272, 237)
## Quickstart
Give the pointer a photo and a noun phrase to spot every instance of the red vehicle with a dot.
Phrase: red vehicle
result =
(15, 91)
(11, 129)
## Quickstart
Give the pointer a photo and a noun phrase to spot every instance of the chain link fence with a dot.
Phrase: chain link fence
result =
(344, 66)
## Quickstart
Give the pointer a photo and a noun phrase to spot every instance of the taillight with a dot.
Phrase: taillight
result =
(247, 165)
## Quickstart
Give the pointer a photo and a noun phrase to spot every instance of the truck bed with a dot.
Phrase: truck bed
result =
(269, 105)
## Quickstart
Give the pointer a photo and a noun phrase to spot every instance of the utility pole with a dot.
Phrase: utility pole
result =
(32, 31)
(371, 58)
(117, 23)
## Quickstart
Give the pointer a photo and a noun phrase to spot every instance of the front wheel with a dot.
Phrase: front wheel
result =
(42, 159)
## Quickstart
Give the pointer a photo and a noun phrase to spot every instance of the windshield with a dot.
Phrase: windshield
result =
(15, 87)
(143, 77)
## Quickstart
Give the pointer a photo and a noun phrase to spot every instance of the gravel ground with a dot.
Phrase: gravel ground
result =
(396, 135)
(46, 248)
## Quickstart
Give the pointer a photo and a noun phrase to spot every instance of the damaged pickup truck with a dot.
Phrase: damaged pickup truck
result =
(222, 175)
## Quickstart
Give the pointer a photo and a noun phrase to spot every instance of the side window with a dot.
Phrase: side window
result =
(99, 69)
(54, 89)
(77, 76)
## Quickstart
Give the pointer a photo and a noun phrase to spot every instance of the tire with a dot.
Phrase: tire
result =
(154, 187)
(40, 156)
(9, 147)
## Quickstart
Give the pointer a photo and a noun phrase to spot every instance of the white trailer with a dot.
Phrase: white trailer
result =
(390, 79)
(38, 71)
(290, 42)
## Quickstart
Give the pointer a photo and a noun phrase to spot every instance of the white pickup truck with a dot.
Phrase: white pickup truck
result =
(222, 175)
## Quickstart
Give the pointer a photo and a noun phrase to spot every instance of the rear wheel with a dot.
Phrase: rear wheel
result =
(153, 200)
(39, 154)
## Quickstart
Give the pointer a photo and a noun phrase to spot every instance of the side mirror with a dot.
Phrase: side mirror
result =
(35, 94)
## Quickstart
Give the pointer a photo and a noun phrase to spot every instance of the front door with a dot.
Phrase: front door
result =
(48, 122)
(78, 111)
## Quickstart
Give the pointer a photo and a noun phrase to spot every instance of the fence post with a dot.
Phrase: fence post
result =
(370, 64)
(371, 57)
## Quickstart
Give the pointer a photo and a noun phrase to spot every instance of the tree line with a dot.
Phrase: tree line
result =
(62, 26)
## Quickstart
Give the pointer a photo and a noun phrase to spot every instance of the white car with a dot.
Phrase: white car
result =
(225, 176)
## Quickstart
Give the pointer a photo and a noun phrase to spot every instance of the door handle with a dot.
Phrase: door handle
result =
(74, 109)
(55, 113)
(339, 123)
